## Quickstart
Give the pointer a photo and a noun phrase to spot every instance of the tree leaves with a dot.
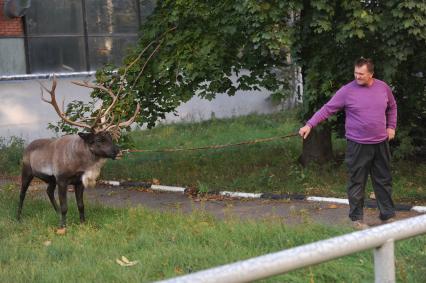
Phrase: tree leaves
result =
(212, 42)
(391, 32)
(204, 43)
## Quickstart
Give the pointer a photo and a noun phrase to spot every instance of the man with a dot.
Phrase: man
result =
(370, 124)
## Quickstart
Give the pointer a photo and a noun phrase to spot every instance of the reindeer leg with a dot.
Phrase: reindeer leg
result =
(51, 193)
(26, 178)
(62, 192)
(79, 189)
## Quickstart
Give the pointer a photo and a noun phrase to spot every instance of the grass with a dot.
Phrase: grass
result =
(11, 150)
(262, 167)
(166, 245)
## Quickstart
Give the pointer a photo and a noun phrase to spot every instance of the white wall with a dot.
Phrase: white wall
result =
(24, 114)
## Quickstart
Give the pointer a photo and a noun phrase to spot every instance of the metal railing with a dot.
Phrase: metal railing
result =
(45, 76)
(380, 238)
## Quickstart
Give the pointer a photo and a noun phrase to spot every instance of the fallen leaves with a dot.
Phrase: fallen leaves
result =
(124, 261)
(178, 270)
(209, 197)
(61, 231)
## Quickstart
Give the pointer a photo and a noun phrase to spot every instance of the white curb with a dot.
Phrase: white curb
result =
(112, 183)
(323, 199)
(240, 194)
(421, 209)
(167, 188)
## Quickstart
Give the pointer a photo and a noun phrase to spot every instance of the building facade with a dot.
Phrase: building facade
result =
(65, 36)
(74, 38)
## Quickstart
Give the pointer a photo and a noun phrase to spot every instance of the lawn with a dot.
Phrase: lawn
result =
(166, 245)
(171, 244)
(262, 167)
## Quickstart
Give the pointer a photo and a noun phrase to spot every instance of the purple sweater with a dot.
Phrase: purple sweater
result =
(369, 110)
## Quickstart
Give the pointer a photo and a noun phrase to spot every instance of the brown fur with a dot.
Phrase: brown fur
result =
(70, 160)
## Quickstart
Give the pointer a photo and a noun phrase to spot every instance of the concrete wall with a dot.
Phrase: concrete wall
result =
(24, 114)
(11, 59)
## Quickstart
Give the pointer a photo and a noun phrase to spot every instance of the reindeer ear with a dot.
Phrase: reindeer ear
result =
(87, 137)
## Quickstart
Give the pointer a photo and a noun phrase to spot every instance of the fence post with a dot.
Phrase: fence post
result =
(384, 263)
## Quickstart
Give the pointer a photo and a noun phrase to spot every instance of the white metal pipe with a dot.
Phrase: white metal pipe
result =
(45, 76)
(310, 254)
(384, 263)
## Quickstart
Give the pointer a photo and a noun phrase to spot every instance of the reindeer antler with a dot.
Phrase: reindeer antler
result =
(54, 103)
(116, 129)
(103, 115)
(104, 120)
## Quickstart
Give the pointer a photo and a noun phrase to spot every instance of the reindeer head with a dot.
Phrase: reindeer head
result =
(100, 144)
(102, 128)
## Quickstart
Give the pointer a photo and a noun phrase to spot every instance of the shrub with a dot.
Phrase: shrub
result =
(11, 150)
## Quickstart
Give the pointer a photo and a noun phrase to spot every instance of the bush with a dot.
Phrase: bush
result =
(11, 150)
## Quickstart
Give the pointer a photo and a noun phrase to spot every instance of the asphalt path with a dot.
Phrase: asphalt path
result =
(286, 211)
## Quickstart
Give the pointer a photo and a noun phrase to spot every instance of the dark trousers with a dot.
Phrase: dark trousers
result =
(362, 160)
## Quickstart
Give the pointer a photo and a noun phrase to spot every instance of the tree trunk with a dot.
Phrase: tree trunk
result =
(317, 147)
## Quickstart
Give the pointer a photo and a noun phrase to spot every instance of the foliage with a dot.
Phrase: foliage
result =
(332, 34)
(11, 151)
(75, 110)
(193, 47)
(190, 47)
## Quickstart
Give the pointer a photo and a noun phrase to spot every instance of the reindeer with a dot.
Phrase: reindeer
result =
(72, 159)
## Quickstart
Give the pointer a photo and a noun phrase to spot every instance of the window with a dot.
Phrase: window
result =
(77, 35)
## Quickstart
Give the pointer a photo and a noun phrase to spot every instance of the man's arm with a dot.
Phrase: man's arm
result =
(336, 103)
(391, 115)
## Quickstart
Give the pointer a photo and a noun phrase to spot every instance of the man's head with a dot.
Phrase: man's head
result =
(364, 71)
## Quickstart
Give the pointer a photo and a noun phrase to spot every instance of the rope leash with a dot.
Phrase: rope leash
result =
(211, 146)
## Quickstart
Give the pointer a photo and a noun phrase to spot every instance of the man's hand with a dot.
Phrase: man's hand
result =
(391, 133)
(304, 131)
